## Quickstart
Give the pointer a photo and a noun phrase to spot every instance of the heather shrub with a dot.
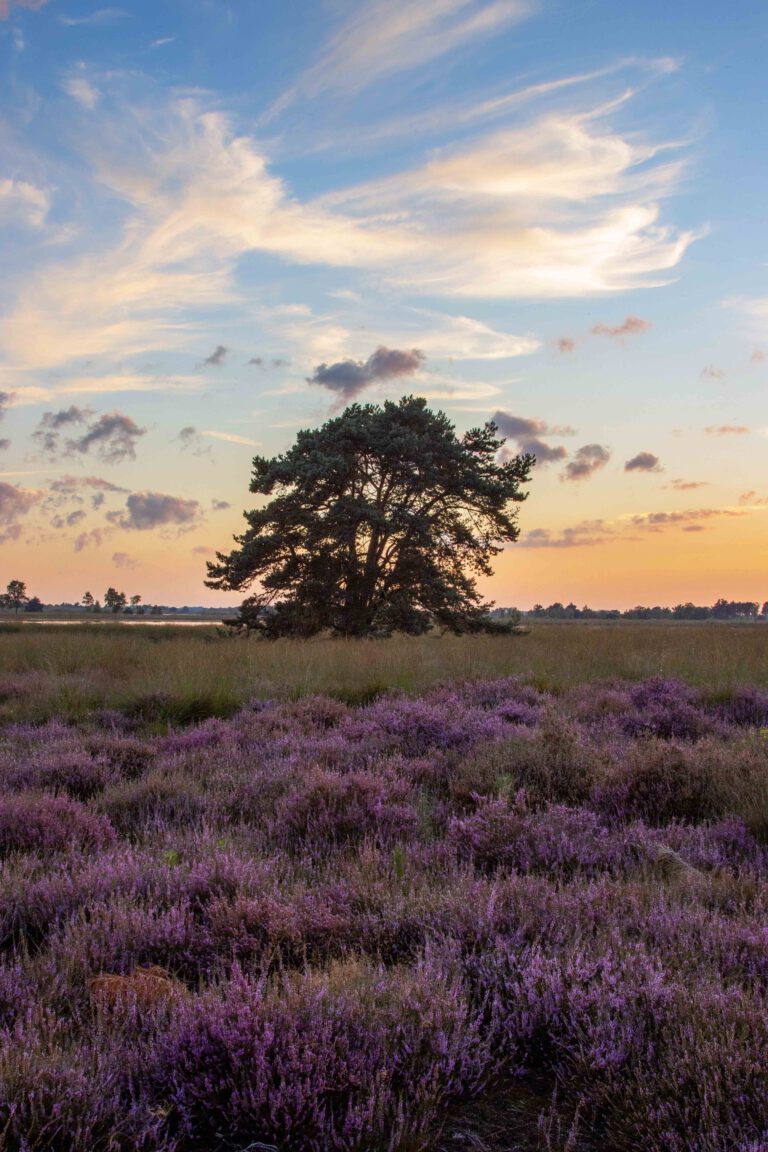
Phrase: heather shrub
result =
(553, 763)
(328, 810)
(659, 781)
(157, 798)
(36, 822)
(352, 1058)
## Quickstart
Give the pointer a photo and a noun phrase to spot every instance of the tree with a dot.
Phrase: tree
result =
(16, 595)
(114, 600)
(88, 601)
(34, 605)
(380, 521)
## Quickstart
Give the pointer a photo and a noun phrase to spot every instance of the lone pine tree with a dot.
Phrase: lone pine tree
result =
(380, 521)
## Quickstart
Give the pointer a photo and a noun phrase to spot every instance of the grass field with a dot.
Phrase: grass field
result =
(413, 896)
(183, 674)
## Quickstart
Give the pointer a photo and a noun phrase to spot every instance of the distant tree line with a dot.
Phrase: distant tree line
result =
(722, 609)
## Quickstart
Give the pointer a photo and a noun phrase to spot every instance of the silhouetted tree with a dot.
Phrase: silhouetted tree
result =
(380, 521)
(16, 595)
(87, 601)
(114, 600)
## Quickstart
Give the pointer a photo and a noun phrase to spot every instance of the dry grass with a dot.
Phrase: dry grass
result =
(70, 671)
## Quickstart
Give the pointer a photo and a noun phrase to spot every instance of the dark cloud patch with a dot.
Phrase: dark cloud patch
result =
(587, 534)
(15, 502)
(527, 433)
(565, 344)
(643, 462)
(71, 484)
(657, 521)
(51, 424)
(220, 505)
(191, 441)
(203, 550)
(727, 430)
(217, 357)
(124, 560)
(69, 521)
(147, 510)
(97, 500)
(588, 459)
(544, 453)
(752, 500)
(279, 363)
(694, 528)
(11, 532)
(112, 438)
(630, 327)
(92, 539)
(258, 361)
(687, 485)
(348, 377)
(6, 399)
(4, 445)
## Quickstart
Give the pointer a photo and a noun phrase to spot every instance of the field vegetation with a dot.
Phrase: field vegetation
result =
(386, 896)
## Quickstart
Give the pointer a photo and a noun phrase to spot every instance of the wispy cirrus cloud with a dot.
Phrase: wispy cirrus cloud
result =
(96, 19)
(7, 5)
(22, 202)
(562, 206)
(381, 38)
(727, 430)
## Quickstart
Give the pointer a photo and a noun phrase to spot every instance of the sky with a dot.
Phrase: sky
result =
(222, 221)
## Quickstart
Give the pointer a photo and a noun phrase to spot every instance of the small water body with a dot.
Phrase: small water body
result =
(164, 622)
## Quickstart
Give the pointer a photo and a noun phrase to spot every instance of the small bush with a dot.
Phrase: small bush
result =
(47, 824)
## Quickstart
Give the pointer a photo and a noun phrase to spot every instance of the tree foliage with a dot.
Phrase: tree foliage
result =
(380, 521)
(114, 600)
(15, 595)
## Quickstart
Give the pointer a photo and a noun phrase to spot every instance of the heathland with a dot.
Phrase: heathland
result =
(491, 893)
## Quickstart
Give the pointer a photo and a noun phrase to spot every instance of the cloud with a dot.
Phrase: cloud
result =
(50, 425)
(381, 38)
(217, 357)
(587, 460)
(203, 550)
(757, 356)
(657, 521)
(712, 373)
(727, 430)
(68, 521)
(6, 400)
(4, 444)
(148, 510)
(15, 502)
(191, 441)
(92, 539)
(231, 438)
(112, 437)
(124, 560)
(560, 206)
(7, 5)
(82, 90)
(527, 433)
(220, 505)
(348, 377)
(162, 41)
(752, 500)
(100, 17)
(631, 326)
(587, 534)
(23, 203)
(687, 485)
(565, 344)
(643, 462)
(71, 484)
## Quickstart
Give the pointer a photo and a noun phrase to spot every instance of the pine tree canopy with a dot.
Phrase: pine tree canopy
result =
(380, 521)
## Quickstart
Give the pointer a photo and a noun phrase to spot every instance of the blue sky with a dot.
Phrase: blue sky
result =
(212, 216)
